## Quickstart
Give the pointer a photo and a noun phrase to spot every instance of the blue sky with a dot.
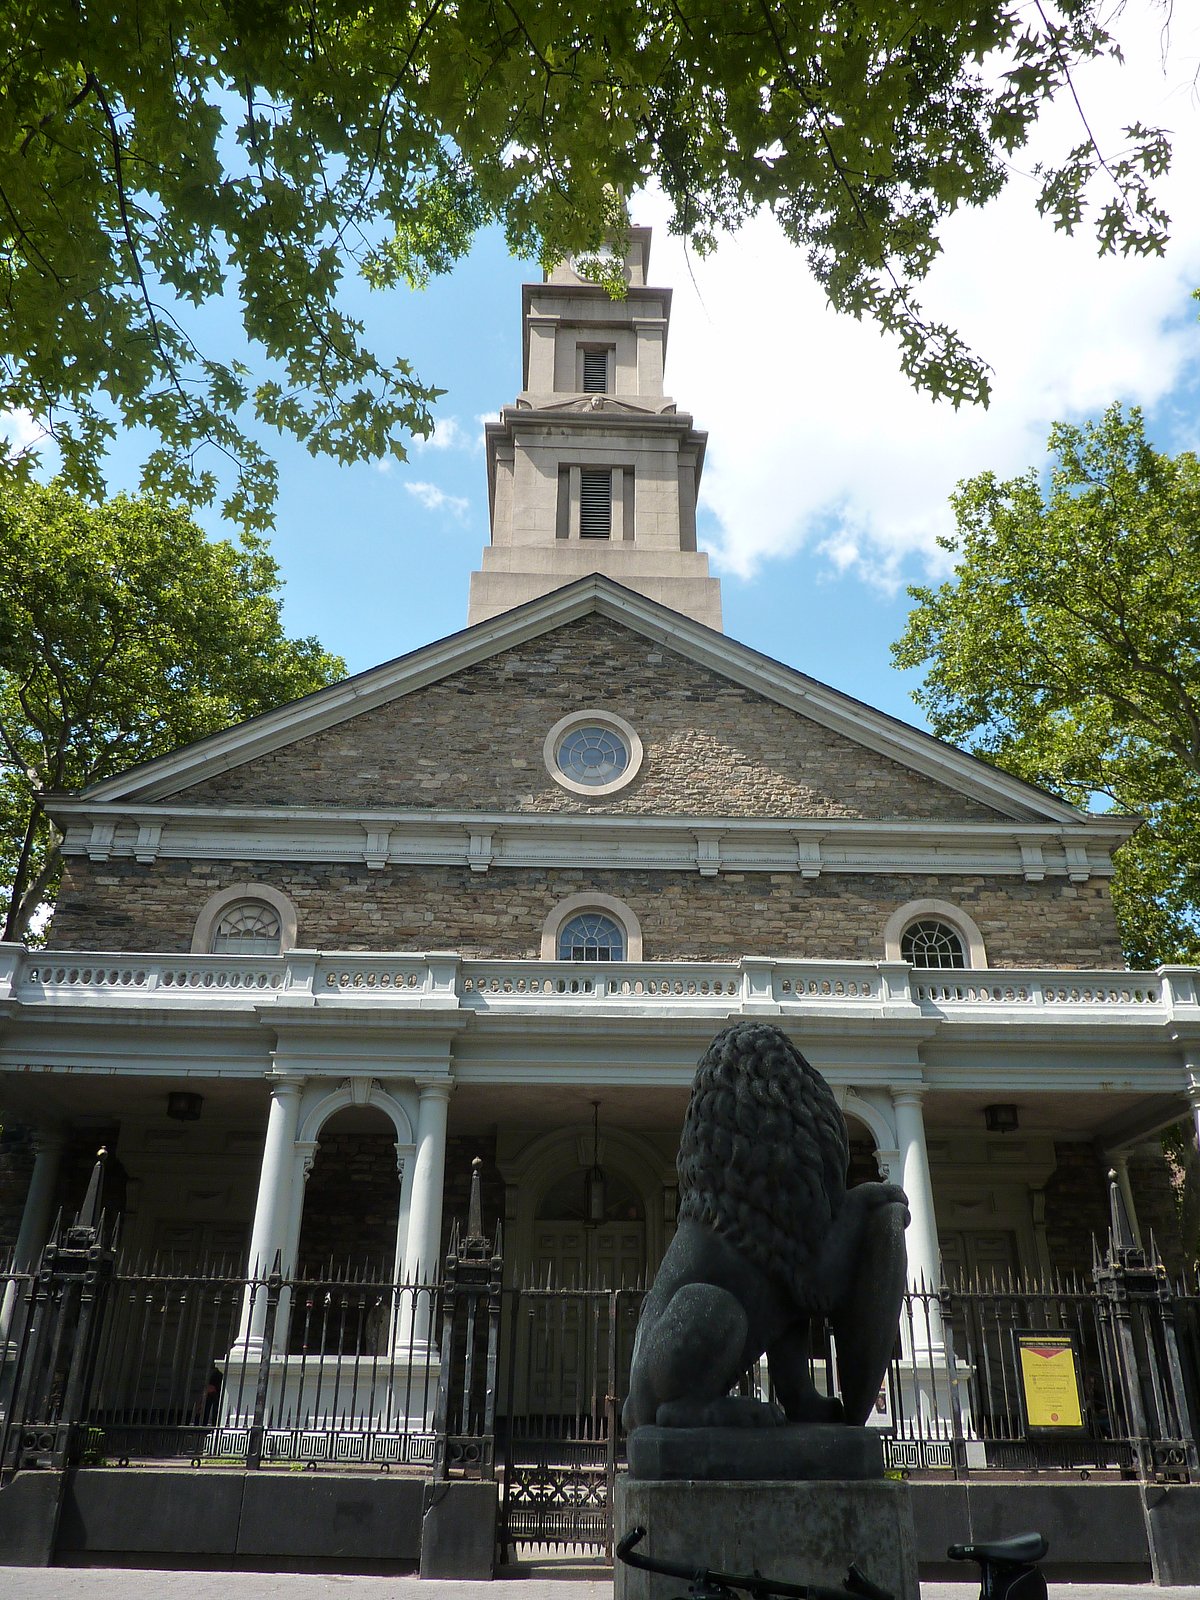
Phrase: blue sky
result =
(827, 478)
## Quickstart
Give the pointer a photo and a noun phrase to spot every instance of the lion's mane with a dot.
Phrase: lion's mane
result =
(763, 1156)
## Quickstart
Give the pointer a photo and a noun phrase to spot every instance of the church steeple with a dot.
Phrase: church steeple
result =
(594, 469)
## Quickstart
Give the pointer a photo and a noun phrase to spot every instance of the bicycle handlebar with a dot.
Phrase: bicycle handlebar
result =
(855, 1583)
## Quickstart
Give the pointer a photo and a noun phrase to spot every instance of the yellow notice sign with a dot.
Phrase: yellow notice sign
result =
(1050, 1382)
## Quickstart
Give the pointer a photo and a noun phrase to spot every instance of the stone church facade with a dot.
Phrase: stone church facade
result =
(494, 898)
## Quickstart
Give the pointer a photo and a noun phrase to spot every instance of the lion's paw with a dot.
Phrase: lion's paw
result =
(729, 1411)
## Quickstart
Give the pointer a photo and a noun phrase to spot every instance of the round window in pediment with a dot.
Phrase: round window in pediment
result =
(592, 753)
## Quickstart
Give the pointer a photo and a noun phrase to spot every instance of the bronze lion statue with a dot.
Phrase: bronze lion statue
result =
(769, 1239)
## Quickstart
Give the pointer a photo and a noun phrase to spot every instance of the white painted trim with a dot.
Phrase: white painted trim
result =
(594, 594)
(216, 904)
(965, 926)
(586, 719)
(595, 838)
(617, 909)
(319, 1111)
(878, 1123)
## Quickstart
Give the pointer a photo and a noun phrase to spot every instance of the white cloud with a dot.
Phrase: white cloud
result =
(448, 434)
(19, 431)
(815, 437)
(435, 499)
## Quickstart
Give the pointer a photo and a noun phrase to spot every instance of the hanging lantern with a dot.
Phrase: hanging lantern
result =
(184, 1105)
(595, 1184)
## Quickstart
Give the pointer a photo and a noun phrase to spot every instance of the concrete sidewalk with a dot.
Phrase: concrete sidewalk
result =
(125, 1583)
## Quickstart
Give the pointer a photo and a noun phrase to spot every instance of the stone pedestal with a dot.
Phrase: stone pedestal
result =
(797, 1450)
(801, 1532)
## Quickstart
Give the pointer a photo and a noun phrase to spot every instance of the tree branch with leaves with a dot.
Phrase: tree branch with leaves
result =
(1067, 650)
(124, 633)
(157, 156)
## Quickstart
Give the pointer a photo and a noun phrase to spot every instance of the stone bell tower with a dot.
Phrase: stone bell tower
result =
(594, 469)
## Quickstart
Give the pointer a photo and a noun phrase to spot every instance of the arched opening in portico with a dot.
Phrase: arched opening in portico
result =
(347, 1248)
(864, 1162)
(351, 1197)
(572, 1249)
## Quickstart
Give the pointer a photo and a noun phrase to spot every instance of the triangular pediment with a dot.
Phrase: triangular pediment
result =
(845, 724)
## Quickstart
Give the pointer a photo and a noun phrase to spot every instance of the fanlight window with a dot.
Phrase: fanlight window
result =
(591, 937)
(247, 928)
(930, 943)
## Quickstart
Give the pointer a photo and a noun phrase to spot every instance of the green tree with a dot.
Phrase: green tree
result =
(156, 155)
(1067, 650)
(124, 633)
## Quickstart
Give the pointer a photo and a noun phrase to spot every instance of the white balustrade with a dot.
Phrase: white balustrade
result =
(488, 984)
(51, 975)
(362, 975)
(798, 982)
(1001, 986)
(437, 979)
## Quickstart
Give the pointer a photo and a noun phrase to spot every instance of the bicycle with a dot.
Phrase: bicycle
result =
(1008, 1567)
(706, 1584)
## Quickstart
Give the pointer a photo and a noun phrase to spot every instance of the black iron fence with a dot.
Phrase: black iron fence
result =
(106, 1361)
(227, 1370)
(1008, 1377)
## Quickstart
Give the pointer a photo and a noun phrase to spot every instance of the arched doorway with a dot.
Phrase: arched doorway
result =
(570, 1252)
(347, 1248)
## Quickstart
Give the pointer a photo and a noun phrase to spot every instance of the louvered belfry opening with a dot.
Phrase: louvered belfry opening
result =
(595, 371)
(595, 503)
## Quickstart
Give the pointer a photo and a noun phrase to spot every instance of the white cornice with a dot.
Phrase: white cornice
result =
(482, 840)
(592, 595)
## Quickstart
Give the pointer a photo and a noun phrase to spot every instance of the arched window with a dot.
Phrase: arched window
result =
(246, 919)
(592, 927)
(934, 934)
(932, 943)
(246, 928)
(591, 936)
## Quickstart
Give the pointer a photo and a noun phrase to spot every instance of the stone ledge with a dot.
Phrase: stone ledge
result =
(803, 1452)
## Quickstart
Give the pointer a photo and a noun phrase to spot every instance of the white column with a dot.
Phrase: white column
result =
(273, 1207)
(1120, 1165)
(36, 1216)
(429, 1179)
(414, 1326)
(921, 1240)
(1193, 1094)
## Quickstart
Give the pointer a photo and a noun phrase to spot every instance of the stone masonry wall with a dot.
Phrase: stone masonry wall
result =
(123, 905)
(1077, 1203)
(474, 741)
(16, 1169)
(351, 1201)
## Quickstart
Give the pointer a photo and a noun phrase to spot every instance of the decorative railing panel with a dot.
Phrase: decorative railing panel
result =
(335, 1370)
(485, 984)
(444, 980)
(1010, 987)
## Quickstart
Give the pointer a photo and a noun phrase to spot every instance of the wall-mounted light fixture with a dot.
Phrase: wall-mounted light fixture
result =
(1001, 1119)
(185, 1105)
